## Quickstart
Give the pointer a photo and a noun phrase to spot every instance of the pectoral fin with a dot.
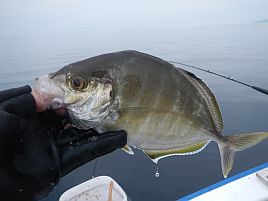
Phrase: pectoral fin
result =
(128, 150)
(155, 155)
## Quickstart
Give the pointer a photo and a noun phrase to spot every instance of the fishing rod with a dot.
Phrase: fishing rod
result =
(264, 91)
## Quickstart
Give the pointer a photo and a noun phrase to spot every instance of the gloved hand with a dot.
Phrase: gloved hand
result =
(36, 149)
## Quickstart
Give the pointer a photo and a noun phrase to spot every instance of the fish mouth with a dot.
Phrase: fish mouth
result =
(59, 107)
(51, 95)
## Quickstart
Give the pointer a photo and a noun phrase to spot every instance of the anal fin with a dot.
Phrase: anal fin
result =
(190, 149)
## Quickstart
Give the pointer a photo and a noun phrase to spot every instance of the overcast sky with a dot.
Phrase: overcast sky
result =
(44, 15)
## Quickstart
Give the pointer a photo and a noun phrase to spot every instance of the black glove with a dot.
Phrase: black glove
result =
(36, 150)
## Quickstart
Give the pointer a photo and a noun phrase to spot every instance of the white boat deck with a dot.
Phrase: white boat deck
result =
(250, 185)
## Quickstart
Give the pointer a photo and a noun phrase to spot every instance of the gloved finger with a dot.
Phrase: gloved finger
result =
(82, 151)
(22, 105)
(9, 126)
(51, 120)
(73, 134)
(11, 93)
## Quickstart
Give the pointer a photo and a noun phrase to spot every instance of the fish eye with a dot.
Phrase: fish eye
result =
(78, 83)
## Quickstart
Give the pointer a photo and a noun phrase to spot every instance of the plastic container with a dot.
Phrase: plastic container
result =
(102, 188)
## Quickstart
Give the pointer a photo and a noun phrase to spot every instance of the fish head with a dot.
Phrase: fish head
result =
(86, 93)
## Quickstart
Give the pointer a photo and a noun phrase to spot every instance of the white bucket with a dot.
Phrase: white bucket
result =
(102, 188)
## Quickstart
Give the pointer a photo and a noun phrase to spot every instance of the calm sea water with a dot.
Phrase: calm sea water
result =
(237, 50)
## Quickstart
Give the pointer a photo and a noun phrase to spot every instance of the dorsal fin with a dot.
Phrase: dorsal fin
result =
(208, 96)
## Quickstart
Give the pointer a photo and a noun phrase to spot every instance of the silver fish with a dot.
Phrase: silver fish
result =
(165, 110)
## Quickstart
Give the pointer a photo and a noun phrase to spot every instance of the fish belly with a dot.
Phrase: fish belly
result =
(152, 130)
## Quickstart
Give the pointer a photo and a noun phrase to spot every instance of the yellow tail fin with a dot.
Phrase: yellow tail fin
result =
(237, 143)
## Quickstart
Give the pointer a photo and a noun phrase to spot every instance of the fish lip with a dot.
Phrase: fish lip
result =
(51, 94)
(51, 75)
(57, 106)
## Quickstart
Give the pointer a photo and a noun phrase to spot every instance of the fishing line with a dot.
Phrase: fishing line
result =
(94, 169)
(261, 90)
